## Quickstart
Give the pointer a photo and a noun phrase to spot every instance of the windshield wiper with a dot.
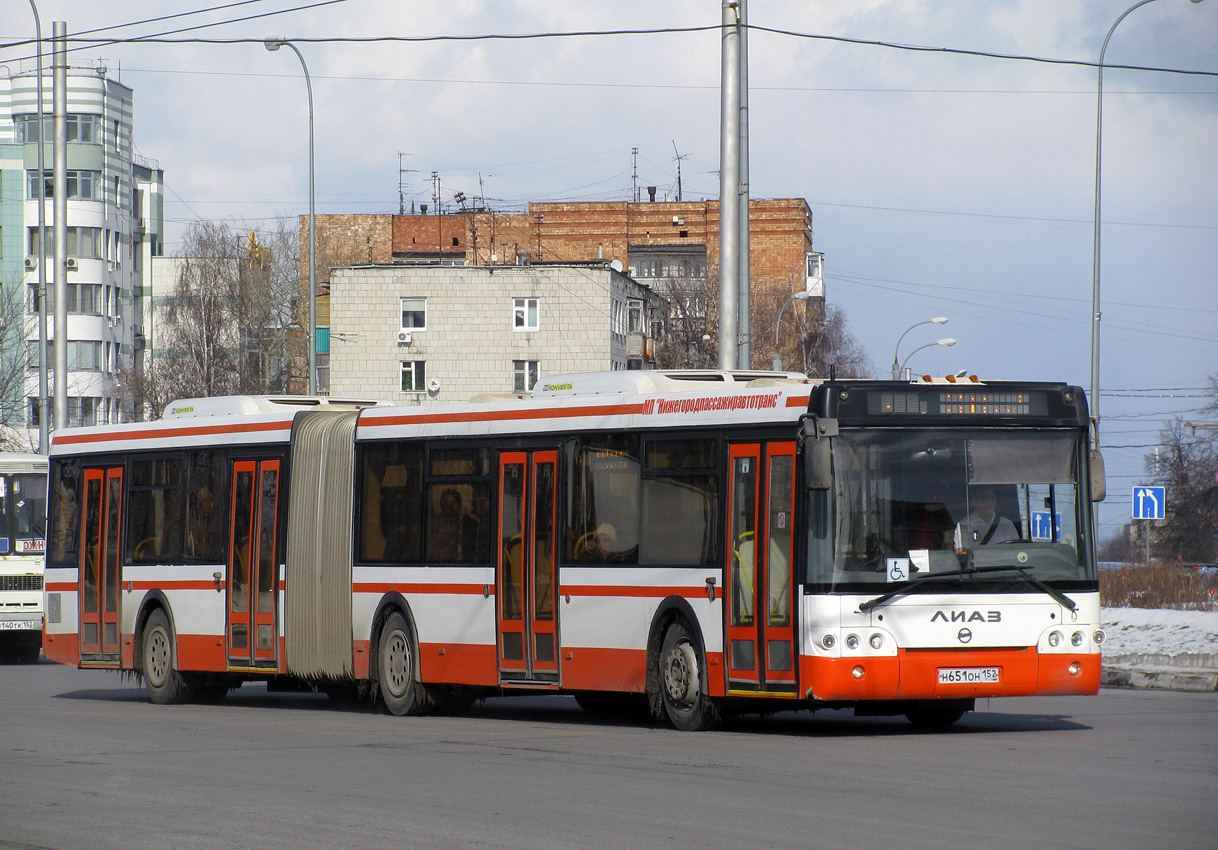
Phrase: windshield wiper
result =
(916, 586)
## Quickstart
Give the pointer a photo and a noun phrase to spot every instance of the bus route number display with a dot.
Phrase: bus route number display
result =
(962, 403)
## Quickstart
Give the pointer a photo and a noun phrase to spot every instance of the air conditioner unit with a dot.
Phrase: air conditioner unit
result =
(31, 264)
(403, 337)
(70, 264)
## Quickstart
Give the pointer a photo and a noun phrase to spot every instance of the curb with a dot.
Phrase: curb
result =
(1169, 678)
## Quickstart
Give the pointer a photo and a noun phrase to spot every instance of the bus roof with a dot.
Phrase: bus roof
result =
(246, 405)
(644, 382)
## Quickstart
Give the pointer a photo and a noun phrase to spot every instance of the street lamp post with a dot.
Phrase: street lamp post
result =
(44, 413)
(798, 296)
(896, 368)
(274, 43)
(948, 342)
(1095, 262)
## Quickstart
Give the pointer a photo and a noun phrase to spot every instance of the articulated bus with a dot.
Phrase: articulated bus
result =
(23, 519)
(688, 545)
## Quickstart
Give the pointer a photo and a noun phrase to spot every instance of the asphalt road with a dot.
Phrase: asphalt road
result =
(87, 762)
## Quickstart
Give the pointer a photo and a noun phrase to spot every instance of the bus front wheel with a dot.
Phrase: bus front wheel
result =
(937, 714)
(687, 707)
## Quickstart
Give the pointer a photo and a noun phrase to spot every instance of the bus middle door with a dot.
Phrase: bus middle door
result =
(761, 649)
(525, 571)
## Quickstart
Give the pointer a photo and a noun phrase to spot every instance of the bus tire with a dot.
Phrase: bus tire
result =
(28, 654)
(686, 705)
(938, 713)
(396, 662)
(165, 685)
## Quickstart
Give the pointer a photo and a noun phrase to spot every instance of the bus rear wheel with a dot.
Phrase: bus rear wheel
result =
(400, 689)
(165, 685)
(687, 707)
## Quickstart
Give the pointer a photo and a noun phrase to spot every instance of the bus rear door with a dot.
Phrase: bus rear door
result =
(100, 571)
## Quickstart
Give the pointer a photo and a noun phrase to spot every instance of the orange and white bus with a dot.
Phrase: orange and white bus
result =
(693, 544)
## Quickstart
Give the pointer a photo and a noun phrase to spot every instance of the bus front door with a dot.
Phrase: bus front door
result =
(253, 572)
(526, 577)
(100, 575)
(760, 649)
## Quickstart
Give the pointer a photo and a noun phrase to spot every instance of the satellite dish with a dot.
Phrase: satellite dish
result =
(616, 265)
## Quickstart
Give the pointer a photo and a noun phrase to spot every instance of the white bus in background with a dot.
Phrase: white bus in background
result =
(23, 522)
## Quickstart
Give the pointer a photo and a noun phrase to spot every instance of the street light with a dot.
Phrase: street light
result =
(1095, 262)
(948, 342)
(273, 43)
(896, 369)
(798, 296)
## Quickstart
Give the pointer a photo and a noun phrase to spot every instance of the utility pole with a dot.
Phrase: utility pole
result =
(729, 185)
(745, 356)
(435, 199)
(59, 210)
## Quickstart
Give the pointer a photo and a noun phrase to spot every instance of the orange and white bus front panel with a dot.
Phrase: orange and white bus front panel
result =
(940, 645)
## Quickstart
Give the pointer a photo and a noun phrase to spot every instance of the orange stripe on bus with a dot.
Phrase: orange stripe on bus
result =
(631, 591)
(427, 587)
(503, 415)
(149, 434)
(798, 400)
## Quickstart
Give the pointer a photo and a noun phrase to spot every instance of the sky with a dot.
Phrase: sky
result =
(942, 183)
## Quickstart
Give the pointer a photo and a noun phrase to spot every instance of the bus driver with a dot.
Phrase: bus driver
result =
(983, 525)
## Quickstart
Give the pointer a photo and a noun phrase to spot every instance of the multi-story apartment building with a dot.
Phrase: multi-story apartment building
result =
(418, 333)
(114, 228)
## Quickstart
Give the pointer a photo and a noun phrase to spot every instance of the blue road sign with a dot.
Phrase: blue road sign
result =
(1041, 530)
(1149, 502)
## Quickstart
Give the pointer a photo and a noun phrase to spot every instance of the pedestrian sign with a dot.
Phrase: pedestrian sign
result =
(1149, 502)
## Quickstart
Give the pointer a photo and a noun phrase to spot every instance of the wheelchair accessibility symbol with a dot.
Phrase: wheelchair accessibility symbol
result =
(898, 569)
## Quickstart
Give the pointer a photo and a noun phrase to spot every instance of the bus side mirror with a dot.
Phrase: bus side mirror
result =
(1099, 486)
(818, 462)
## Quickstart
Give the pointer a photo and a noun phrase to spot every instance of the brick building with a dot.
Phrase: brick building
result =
(671, 246)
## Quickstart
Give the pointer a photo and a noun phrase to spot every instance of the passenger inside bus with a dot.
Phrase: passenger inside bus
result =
(933, 527)
(203, 535)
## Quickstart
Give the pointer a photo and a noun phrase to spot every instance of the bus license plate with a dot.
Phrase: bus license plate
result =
(968, 675)
(6, 625)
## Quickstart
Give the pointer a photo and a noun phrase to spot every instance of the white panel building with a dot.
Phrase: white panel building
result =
(114, 228)
(421, 333)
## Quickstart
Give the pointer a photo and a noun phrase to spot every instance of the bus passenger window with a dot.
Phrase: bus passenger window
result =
(391, 505)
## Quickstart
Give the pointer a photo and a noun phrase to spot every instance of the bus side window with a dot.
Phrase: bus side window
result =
(391, 504)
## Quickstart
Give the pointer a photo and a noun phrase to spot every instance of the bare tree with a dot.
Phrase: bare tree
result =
(225, 329)
(1186, 463)
(15, 327)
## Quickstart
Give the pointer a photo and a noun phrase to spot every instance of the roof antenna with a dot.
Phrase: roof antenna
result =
(832, 371)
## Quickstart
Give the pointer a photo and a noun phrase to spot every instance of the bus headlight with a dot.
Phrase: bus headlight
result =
(852, 641)
(1098, 636)
(828, 641)
(1076, 639)
(877, 641)
(1055, 638)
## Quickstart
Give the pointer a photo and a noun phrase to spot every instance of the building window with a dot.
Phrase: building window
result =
(414, 376)
(82, 411)
(83, 242)
(85, 185)
(634, 317)
(525, 374)
(84, 129)
(84, 355)
(414, 314)
(84, 298)
(524, 314)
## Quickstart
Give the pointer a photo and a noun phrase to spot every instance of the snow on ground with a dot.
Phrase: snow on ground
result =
(1161, 631)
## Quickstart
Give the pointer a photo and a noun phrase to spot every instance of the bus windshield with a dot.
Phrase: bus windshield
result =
(909, 504)
(23, 512)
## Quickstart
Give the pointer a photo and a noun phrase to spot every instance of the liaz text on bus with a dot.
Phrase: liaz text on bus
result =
(687, 545)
